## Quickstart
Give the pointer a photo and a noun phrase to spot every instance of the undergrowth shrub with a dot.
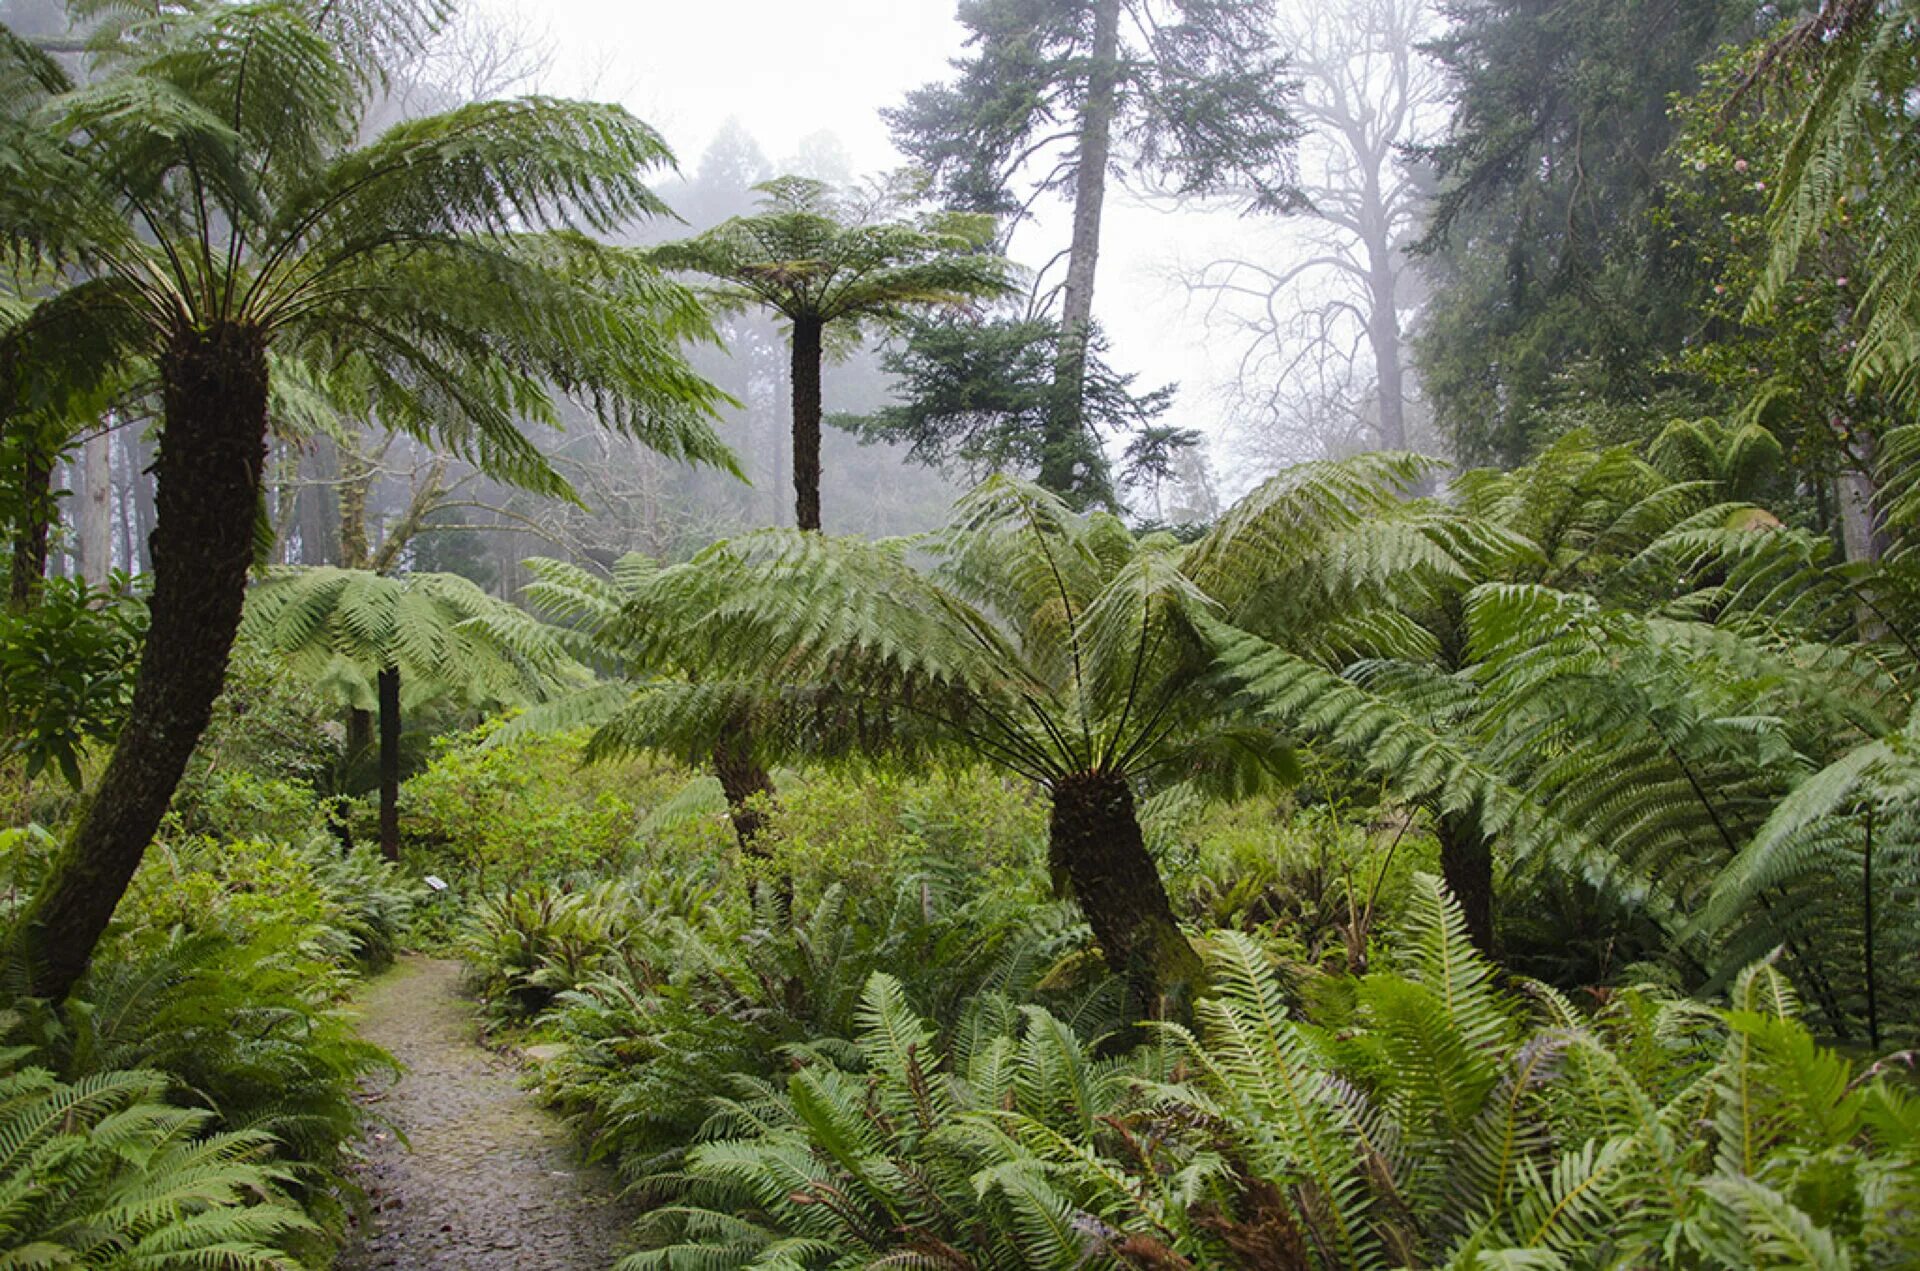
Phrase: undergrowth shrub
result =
(854, 828)
(1421, 1114)
(525, 947)
(222, 979)
(650, 1041)
(1320, 879)
(491, 815)
(103, 1172)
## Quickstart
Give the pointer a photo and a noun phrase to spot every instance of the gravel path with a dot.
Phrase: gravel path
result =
(486, 1180)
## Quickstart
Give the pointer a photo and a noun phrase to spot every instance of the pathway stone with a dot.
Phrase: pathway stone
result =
(486, 1180)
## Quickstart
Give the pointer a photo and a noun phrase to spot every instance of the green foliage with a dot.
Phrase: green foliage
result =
(974, 398)
(102, 1172)
(341, 627)
(1419, 1115)
(1045, 641)
(220, 987)
(492, 811)
(265, 724)
(266, 218)
(1555, 301)
(1194, 81)
(667, 993)
(1312, 882)
(1850, 161)
(811, 256)
(66, 673)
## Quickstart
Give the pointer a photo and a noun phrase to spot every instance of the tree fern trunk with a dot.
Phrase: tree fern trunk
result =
(808, 349)
(1466, 863)
(746, 785)
(1096, 845)
(212, 448)
(389, 685)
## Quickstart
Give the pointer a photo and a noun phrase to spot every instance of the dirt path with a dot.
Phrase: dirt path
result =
(488, 1180)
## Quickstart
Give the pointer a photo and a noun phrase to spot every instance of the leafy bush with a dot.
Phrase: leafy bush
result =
(1319, 880)
(525, 947)
(346, 907)
(1416, 1116)
(103, 1172)
(66, 672)
(854, 829)
(500, 815)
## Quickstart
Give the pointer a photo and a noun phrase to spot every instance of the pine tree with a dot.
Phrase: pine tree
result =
(1059, 94)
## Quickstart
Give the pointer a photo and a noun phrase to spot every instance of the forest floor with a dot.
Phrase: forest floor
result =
(468, 1173)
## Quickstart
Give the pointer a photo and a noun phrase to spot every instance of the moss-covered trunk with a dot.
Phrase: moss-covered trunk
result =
(1096, 845)
(207, 479)
(389, 686)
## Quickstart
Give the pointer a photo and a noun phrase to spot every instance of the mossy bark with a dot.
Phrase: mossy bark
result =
(1095, 844)
(747, 786)
(207, 488)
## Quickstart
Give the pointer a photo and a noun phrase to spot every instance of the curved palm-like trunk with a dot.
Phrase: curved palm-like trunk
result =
(808, 350)
(1095, 843)
(389, 686)
(207, 479)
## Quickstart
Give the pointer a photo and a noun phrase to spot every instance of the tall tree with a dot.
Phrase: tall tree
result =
(208, 183)
(1339, 280)
(1186, 94)
(1548, 289)
(826, 267)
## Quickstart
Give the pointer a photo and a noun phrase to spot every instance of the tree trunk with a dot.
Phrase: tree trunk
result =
(390, 763)
(1065, 443)
(96, 508)
(1095, 844)
(356, 481)
(1383, 335)
(807, 354)
(318, 514)
(143, 509)
(1860, 531)
(128, 477)
(1466, 864)
(746, 785)
(30, 542)
(212, 448)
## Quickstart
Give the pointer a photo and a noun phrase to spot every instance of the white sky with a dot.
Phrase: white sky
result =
(789, 69)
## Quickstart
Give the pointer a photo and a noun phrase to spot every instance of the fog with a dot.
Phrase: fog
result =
(817, 75)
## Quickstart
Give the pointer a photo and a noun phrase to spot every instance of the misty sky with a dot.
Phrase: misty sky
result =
(788, 69)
